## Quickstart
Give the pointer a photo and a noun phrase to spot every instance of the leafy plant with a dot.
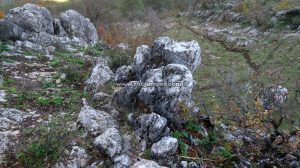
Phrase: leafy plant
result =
(118, 59)
(3, 47)
(183, 147)
(42, 101)
(57, 100)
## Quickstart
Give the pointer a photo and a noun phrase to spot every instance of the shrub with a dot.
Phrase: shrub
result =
(282, 5)
(2, 15)
(118, 59)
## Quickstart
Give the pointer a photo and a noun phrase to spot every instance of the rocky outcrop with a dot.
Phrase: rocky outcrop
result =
(167, 51)
(32, 18)
(152, 127)
(35, 24)
(96, 122)
(110, 142)
(77, 26)
(10, 123)
(164, 78)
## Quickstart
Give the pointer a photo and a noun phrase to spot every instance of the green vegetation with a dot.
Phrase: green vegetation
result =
(3, 47)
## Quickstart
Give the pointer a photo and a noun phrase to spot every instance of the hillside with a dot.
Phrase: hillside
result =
(134, 83)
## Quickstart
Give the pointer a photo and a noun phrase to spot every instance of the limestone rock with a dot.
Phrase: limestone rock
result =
(110, 142)
(167, 51)
(122, 161)
(96, 122)
(100, 75)
(152, 127)
(10, 31)
(123, 74)
(167, 146)
(146, 164)
(32, 18)
(78, 26)
(78, 158)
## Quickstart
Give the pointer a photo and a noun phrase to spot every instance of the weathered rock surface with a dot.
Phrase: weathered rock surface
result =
(164, 148)
(126, 96)
(10, 122)
(100, 75)
(146, 164)
(78, 158)
(10, 31)
(35, 24)
(166, 100)
(152, 127)
(77, 26)
(273, 96)
(110, 142)
(122, 161)
(123, 74)
(96, 122)
(167, 51)
(32, 18)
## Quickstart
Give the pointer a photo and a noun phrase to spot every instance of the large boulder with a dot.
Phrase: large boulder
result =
(32, 18)
(96, 122)
(10, 31)
(110, 142)
(152, 127)
(78, 26)
(171, 95)
(167, 51)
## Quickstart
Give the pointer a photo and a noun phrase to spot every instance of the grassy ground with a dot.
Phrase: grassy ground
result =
(277, 57)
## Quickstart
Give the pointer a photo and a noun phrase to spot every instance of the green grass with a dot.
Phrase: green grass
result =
(279, 65)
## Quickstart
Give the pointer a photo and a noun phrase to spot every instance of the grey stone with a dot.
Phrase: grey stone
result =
(100, 75)
(78, 26)
(146, 164)
(10, 122)
(122, 161)
(96, 122)
(167, 51)
(78, 158)
(126, 96)
(28, 46)
(110, 142)
(193, 165)
(123, 74)
(152, 127)
(164, 148)
(58, 29)
(183, 164)
(32, 18)
(167, 101)
(10, 31)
